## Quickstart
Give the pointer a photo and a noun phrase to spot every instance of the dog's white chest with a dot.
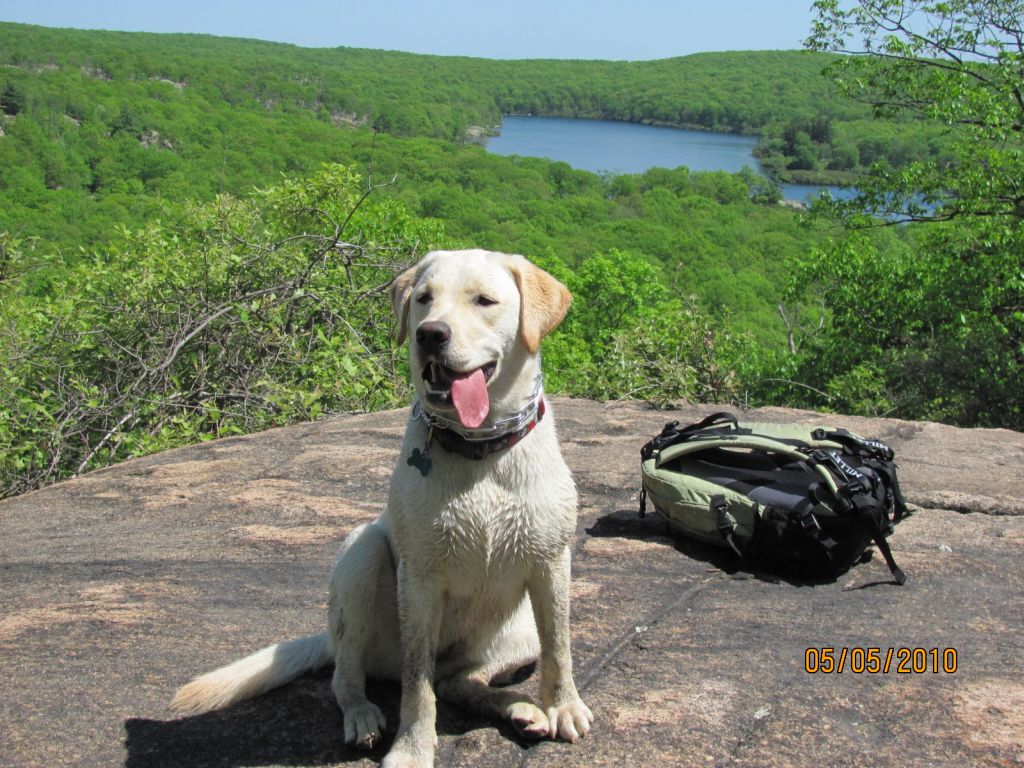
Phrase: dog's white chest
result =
(484, 532)
(473, 524)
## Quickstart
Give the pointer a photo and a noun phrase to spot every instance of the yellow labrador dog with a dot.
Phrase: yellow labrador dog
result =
(464, 578)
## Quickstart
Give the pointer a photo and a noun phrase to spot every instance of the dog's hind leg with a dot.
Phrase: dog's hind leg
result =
(363, 629)
(471, 691)
(514, 647)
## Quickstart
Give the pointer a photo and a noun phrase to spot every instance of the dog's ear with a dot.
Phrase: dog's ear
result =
(543, 301)
(401, 293)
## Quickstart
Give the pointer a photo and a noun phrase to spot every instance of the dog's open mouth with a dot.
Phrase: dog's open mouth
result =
(465, 390)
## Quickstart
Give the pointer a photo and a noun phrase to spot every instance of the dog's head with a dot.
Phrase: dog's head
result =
(474, 319)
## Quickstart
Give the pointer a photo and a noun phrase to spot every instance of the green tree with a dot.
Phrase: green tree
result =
(12, 99)
(845, 156)
(125, 121)
(805, 155)
(942, 333)
(610, 291)
(958, 63)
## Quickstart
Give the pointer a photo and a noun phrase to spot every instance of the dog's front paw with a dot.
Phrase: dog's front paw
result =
(404, 760)
(528, 720)
(570, 721)
(364, 723)
(398, 758)
(409, 753)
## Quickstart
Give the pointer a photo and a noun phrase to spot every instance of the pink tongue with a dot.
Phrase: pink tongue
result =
(469, 394)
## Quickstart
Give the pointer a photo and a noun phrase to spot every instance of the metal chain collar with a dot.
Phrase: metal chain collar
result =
(500, 428)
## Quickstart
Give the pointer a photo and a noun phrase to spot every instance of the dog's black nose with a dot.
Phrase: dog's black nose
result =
(433, 336)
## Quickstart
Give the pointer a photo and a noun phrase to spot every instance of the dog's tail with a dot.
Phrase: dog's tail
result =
(266, 669)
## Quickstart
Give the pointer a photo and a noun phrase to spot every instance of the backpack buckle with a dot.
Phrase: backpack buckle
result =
(854, 487)
(726, 523)
(808, 522)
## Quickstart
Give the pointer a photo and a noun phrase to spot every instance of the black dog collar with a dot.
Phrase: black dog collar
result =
(453, 442)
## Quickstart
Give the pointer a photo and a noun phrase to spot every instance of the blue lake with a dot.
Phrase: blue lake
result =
(616, 147)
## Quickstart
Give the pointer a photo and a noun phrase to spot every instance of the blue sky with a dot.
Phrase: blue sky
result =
(590, 29)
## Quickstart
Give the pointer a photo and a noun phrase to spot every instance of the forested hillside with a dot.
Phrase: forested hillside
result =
(228, 112)
(107, 129)
(196, 234)
(411, 94)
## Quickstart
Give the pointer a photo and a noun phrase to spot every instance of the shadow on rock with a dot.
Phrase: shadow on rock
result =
(627, 524)
(298, 724)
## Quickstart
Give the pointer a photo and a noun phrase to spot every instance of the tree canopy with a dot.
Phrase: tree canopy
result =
(196, 233)
(936, 332)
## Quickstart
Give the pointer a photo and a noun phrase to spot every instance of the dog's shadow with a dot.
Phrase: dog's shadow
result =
(298, 724)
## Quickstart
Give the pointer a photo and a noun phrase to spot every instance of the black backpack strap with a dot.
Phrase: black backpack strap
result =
(721, 417)
(671, 434)
(858, 494)
(887, 470)
(839, 466)
(726, 527)
(791, 536)
(803, 516)
(899, 502)
(883, 547)
(855, 443)
(859, 499)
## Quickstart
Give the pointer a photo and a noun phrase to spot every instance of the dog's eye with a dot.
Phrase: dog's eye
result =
(485, 301)
(424, 298)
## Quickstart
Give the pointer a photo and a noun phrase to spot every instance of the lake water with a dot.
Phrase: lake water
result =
(616, 147)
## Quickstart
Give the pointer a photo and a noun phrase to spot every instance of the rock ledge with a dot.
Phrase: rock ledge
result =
(117, 587)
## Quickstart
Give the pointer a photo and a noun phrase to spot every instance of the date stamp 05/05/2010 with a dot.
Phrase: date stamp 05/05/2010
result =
(870, 660)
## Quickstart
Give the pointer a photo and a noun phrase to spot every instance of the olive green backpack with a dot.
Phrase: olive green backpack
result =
(785, 496)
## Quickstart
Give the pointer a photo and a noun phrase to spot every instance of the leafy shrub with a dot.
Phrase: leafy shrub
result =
(676, 354)
(250, 314)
